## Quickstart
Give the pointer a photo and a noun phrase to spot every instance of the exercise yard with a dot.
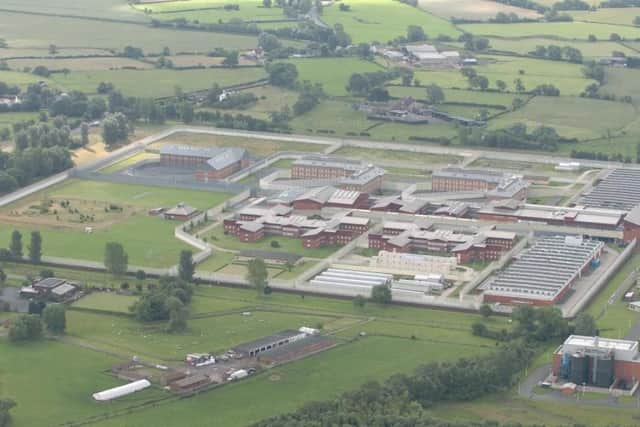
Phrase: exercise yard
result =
(119, 213)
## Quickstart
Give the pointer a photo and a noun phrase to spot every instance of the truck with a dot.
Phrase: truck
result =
(237, 375)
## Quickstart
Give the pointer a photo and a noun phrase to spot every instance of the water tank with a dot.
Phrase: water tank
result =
(565, 365)
(579, 372)
(604, 372)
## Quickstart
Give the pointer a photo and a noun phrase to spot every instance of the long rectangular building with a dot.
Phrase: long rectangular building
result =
(497, 185)
(619, 189)
(544, 273)
(349, 174)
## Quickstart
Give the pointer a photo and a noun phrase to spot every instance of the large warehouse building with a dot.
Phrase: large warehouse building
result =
(631, 225)
(596, 361)
(544, 273)
(210, 163)
(617, 190)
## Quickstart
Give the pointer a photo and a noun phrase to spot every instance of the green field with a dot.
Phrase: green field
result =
(287, 244)
(473, 9)
(456, 95)
(619, 16)
(7, 119)
(384, 20)
(113, 9)
(129, 161)
(269, 99)
(19, 79)
(622, 82)
(561, 30)
(148, 240)
(374, 155)
(332, 73)
(78, 64)
(26, 31)
(157, 83)
(336, 116)
(571, 117)
(106, 302)
(524, 46)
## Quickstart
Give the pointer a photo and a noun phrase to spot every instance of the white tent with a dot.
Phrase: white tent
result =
(123, 390)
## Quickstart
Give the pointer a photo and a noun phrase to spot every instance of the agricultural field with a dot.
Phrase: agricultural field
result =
(148, 240)
(333, 117)
(473, 9)
(270, 99)
(26, 31)
(383, 20)
(524, 46)
(457, 95)
(19, 79)
(201, 61)
(112, 9)
(106, 301)
(157, 83)
(560, 30)
(615, 16)
(255, 146)
(332, 73)
(622, 82)
(571, 117)
(78, 64)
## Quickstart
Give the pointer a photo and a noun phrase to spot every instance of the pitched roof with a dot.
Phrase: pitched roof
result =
(226, 157)
(633, 216)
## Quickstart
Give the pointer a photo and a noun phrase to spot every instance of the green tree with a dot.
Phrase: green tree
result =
(415, 33)
(5, 406)
(15, 247)
(116, 259)
(282, 74)
(84, 134)
(519, 86)
(3, 276)
(231, 59)
(485, 310)
(178, 315)
(381, 294)
(585, 324)
(55, 319)
(359, 301)
(141, 275)
(35, 247)
(115, 129)
(25, 328)
(266, 3)
(479, 329)
(479, 82)
(435, 94)
(257, 274)
(268, 42)
(501, 85)
(186, 267)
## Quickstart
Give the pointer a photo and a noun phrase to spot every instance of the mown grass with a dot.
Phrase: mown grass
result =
(615, 16)
(78, 64)
(473, 9)
(562, 30)
(332, 73)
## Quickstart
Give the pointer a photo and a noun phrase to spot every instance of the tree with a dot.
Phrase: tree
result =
(257, 274)
(358, 84)
(359, 301)
(266, 3)
(636, 21)
(435, 94)
(519, 86)
(54, 317)
(479, 329)
(178, 315)
(16, 244)
(115, 129)
(585, 325)
(615, 37)
(84, 134)
(25, 328)
(3, 277)
(282, 74)
(485, 310)
(35, 247)
(501, 85)
(116, 259)
(186, 268)
(268, 42)
(480, 82)
(381, 294)
(141, 275)
(231, 59)
(415, 33)
(5, 407)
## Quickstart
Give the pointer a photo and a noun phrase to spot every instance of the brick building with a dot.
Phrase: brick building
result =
(631, 225)
(209, 163)
(396, 204)
(317, 198)
(497, 185)
(348, 174)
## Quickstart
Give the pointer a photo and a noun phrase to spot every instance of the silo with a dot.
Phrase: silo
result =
(579, 373)
(604, 372)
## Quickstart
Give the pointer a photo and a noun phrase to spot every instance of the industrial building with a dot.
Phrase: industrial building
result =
(618, 189)
(596, 361)
(631, 225)
(349, 174)
(261, 345)
(544, 273)
(605, 219)
(320, 197)
(210, 163)
(315, 233)
(360, 281)
(497, 185)
(420, 237)
(413, 263)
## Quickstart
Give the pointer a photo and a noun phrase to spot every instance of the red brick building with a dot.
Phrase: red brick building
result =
(631, 225)
(210, 163)
(497, 185)
(349, 174)
(318, 198)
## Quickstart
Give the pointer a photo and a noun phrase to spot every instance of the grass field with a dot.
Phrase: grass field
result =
(287, 244)
(571, 117)
(19, 79)
(455, 95)
(35, 31)
(129, 161)
(523, 46)
(7, 119)
(622, 82)
(332, 73)
(614, 16)
(216, 261)
(255, 146)
(113, 9)
(473, 9)
(269, 99)
(148, 240)
(107, 302)
(384, 20)
(373, 155)
(157, 83)
(78, 64)
(329, 115)
(561, 30)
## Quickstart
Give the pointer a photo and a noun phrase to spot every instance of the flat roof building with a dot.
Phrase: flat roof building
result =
(497, 185)
(617, 190)
(543, 274)
(349, 174)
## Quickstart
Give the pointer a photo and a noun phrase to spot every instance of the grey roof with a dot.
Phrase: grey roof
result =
(319, 194)
(273, 255)
(50, 283)
(363, 176)
(620, 189)
(329, 162)
(633, 216)
(252, 226)
(227, 157)
(63, 289)
(475, 174)
(189, 150)
(545, 269)
(181, 210)
(261, 342)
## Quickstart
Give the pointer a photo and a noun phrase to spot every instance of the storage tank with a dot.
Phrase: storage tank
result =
(579, 369)
(604, 372)
(565, 365)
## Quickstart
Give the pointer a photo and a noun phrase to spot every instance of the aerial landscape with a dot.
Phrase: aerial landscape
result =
(314, 213)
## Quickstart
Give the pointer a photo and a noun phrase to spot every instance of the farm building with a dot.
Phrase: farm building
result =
(428, 56)
(597, 361)
(181, 212)
(210, 163)
(350, 174)
(121, 391)
(261, 345)
(496, 184)
(513, 211)
(51, 288)
(618, 189)
(631, 225)
(544, 273)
